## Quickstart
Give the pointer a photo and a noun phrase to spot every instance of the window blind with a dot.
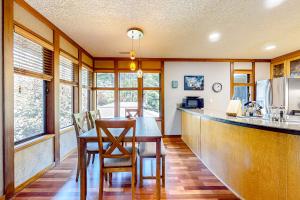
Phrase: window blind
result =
(87, 77)
(31, 58)
(68, 71)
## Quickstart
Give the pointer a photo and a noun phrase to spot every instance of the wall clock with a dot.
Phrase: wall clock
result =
(217, 87)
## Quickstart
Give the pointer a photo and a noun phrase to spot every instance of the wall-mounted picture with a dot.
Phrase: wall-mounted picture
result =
(193, 82)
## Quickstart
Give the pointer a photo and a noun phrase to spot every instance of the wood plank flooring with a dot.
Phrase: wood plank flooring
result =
(186, 178)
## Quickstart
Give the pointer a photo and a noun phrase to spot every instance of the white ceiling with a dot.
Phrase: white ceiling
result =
(178, 28)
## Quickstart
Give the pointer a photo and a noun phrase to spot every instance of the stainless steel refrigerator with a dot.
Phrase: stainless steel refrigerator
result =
(279, 92)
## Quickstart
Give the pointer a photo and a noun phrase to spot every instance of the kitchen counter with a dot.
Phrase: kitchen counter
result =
(255, 158)
(290, 127)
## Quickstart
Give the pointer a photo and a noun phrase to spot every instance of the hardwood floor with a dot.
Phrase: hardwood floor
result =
(186, 178)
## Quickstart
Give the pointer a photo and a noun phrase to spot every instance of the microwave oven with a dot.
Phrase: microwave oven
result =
(192, 102)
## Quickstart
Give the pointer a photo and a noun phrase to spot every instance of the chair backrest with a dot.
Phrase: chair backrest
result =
(93, 115)
(79, 122)
(131, 112)
(108, 129)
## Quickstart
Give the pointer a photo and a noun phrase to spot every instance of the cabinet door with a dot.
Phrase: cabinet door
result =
(294, 67)
(278, 70)
(195, 126)
(184, 126)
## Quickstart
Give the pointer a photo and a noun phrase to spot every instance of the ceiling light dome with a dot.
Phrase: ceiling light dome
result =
(214, 37)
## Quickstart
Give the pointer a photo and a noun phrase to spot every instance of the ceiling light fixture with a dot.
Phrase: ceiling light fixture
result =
(135, 34)
(270, 47)
(214, 37)
(269, 4)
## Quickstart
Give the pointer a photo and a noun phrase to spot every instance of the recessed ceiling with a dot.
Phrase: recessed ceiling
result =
(179, 29)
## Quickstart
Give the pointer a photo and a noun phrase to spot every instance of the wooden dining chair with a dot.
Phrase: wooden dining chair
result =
(93, 115)
(116, 158)
(148, 150)
(92, 147)
(131, 112)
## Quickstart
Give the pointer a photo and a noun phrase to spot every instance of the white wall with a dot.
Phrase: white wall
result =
(68, 143)
(213, 72)
(32, 160)
(262, 71)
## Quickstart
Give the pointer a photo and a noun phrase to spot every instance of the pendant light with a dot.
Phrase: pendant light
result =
(134, 34)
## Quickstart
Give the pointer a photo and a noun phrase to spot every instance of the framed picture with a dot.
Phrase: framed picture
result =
(194, 82)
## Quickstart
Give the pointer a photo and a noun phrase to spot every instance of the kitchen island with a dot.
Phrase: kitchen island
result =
(255, 158)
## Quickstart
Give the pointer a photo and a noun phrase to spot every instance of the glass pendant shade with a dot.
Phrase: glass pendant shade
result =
(132, 55)
(139, 73)
(132, 66)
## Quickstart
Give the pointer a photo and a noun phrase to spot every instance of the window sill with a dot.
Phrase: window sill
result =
(66, 130)
(33, 142)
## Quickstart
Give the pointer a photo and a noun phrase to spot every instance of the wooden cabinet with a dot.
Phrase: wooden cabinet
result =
(293, 66)
(279, 69)
(191, 131)
(288, 66)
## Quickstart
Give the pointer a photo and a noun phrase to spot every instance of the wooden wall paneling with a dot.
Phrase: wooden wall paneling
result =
(8, 98)
(231, 79)
(187, 59)
(162, 95)
(252, 162)
(286, 56)
(116, 90)
(293, 163)
(29, 34)
(93, 92)
(79, 97)
(43, 19)
(53, 101)
(140, 91)
(253, 82)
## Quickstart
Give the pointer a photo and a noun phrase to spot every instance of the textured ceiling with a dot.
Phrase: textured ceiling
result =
(178, 28)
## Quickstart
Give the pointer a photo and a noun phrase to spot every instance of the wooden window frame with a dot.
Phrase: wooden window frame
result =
(251, 84)
(139, 88)
(74, 83)
(35, 38)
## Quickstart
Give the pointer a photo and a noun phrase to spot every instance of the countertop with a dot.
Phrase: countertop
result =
(290, 127)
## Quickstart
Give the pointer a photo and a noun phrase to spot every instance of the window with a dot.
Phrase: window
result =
(243, 84)
(68, 80)
(151, 95)
(65, 105)
(118, 88)
(86, 88)
(105, 80)
(128, 91)
(29, 107)
(32, 67)
(106, 103)
(105, 95)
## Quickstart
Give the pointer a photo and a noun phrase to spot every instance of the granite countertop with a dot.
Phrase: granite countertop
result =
(292, 126)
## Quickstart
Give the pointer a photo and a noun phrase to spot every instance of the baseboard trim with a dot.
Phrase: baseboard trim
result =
(70, 153)
(34, 178)
(172, 136)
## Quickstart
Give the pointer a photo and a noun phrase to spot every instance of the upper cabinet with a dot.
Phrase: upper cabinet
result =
(286, 66)
(294, 67)
(278, 69)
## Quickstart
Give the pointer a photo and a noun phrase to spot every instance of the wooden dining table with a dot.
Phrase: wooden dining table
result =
(146, 131)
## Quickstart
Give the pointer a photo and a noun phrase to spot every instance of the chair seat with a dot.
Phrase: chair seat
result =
(148, 149)
(93, 146)
(118, 162)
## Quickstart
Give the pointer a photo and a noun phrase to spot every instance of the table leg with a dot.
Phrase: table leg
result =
(82, 157)
(158, 153)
